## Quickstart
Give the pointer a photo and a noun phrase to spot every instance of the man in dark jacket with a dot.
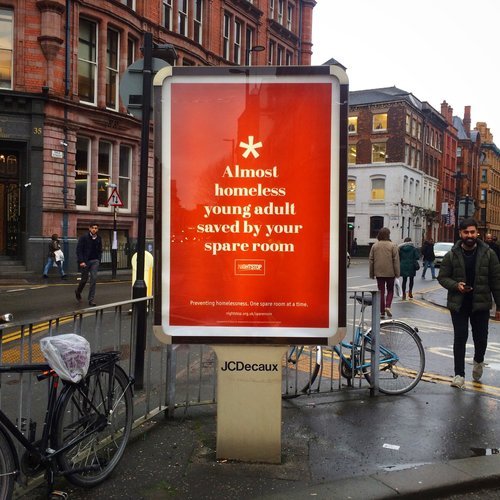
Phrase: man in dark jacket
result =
(470, 272)
(88, 253)
(428, 257)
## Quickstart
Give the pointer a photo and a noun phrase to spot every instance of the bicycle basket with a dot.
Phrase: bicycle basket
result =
(68, 355)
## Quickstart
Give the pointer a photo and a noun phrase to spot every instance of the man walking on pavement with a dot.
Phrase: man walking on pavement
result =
(470, 272)
(428, 258)
(88, 253)
(492, 244)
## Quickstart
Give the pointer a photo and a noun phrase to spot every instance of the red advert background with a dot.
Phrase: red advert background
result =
(250, 236)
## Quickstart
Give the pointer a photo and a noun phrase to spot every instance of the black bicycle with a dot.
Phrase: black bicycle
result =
(86, 427)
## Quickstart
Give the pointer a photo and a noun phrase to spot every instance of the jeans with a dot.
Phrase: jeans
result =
(429, 263)
(385, 300)
(90, 270)
(411, 280)
(50, 263)
(479, 323)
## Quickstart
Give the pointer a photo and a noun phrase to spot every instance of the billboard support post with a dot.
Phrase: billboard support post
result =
(249, 402)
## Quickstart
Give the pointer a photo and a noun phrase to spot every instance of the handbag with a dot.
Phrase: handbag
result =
(417, 265)
(59, 255)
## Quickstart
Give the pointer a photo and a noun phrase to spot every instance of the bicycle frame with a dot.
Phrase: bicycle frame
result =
(40, 449)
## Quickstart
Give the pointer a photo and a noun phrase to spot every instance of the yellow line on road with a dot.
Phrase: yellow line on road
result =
(37, 328)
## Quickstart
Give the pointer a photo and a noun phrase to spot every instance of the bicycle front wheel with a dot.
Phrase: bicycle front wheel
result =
(94, 421)
(303, 364)
(401, 358)
(7, 469)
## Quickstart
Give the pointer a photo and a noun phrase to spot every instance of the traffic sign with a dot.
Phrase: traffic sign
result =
(114, 199)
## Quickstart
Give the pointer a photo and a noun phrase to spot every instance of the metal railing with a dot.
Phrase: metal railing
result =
(176, 376)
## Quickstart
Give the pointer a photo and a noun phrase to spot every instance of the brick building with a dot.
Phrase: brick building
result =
(489, 194)
(65, 137)
(447, 186)
(394, 155)
(468, 161)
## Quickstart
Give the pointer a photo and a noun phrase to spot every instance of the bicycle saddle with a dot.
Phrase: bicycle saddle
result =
(364, 299)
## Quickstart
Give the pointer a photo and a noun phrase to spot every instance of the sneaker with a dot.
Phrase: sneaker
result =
(382, 316)
(78, 295)
(477, 371)
(388, 312)
(92, 303)
(64, 277)
(410, 295)
(45, 276)
(458, 382)
(403, 297)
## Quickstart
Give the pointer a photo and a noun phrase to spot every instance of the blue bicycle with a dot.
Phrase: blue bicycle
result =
(401, 355)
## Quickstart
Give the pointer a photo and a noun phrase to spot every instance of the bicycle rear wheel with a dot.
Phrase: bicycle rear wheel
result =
(7, 469)
(101, 406)
(401, 358)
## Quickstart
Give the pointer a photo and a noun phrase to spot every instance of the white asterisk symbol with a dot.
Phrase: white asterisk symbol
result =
(250, 147)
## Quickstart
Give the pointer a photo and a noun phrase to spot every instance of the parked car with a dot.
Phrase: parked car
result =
(441, 248)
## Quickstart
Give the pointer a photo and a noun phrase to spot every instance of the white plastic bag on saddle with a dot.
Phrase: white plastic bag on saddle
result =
(68, 355)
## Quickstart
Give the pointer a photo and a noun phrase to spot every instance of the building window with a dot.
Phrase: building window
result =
(484, 175)
(288, 58)
(281, 5)
(414, 127)
(6, 48)
(270, 52)
(225, 35)
(271, 9)
(249, 37)
(82, 173)
(289, 17)
(380, 121)
(352, 153)
(167, 14)
(378, 189)
(130, 51)
(483, 195)
(198, 21)
(408, 124)
(237, 42)
(129, 3)
(112, 58)
(279, 56)
(419, 131)
(376, 224)
(351, 190)
(103, 173)
(124, 175)
(183, 17)
(378, 153)
(352, 124)
(87, 61)
(459, 152)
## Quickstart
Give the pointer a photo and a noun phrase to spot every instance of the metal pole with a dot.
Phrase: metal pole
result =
(114, 249)
(139, 289)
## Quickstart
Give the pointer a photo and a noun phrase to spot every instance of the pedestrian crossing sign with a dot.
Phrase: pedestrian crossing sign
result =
(114, 199)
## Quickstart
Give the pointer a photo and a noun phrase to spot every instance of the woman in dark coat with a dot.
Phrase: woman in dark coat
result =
(408, 259)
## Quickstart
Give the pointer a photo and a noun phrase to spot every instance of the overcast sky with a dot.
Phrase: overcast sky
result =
(436, 49)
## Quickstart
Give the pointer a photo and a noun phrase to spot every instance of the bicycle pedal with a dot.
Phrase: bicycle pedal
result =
(57, 495)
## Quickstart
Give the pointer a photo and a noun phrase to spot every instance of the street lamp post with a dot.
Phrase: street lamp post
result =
(139, 290)
(255, 48)
(458, 192)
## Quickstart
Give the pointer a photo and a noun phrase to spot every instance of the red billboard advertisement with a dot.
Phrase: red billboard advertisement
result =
(250, 192)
